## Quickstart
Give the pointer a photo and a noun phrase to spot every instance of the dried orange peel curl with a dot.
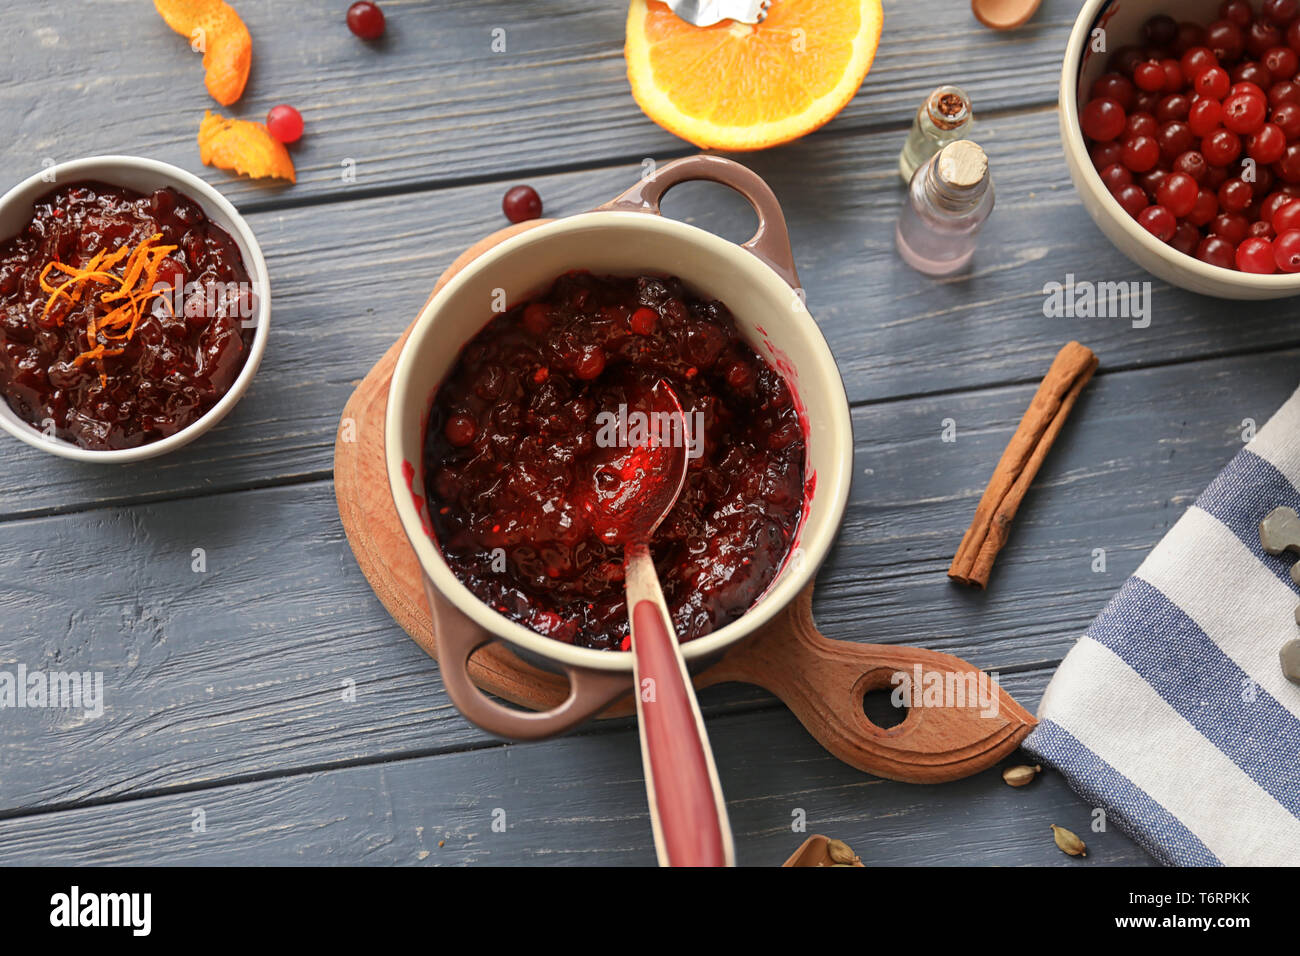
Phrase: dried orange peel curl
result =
(214, 28)
(244, 147)
(109, 326)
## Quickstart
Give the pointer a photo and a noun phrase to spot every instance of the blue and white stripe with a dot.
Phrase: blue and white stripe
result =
(1171, 712)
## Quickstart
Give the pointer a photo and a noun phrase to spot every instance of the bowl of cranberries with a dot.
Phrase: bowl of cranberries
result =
(1181, 125)
(527, 362)
(134, 309)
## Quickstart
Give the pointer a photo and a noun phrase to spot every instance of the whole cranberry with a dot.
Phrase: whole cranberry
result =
(1132, 198)
(521, 203)
(1287, 218)
(1190, 36)
(1235, 195)
(1221, 147)
(1244, 113)
(1204, 117)
(1104, 154)
(1286, 251)
(1205, 208)
(1152, 181)
(1158, 221)
(1142, 153)
(1195, 62)
(1279, 12)
(1193, 164)
(366, 20)
(1149, 76)
(1267, 145)
(1103, 119)
(1270, 206)
(1174, 138)
(1140, 124)
(1283, 91)
(1117, 87)
(1232, 226)
(1186, 238)
(1256, 255)
(1177, 192)
(1260, 37)
(1253, 73)
(284, 123)
(1288, 167)
(1281, 62)
(1175, 106)
(1239, 12)
(1217, 251)
(1125, 60)
(1161, 30)
(1226, 41)
(1287, 118)
(1213, 83)
(460, 430)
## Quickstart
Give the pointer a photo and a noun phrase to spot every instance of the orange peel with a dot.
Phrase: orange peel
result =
(214, 28)
(243, 146)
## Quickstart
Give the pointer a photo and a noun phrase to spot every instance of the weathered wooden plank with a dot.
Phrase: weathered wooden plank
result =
(238, 670)
(348, 277)
(433, 102)
(576, 801)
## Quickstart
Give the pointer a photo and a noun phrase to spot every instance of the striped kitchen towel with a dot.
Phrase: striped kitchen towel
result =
(1172, 712)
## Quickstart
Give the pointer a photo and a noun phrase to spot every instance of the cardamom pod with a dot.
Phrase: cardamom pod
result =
(1068, 841)
(1021, 775)
(841, 853)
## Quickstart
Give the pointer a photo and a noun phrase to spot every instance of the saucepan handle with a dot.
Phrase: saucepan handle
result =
(590, 691)
(770, 243)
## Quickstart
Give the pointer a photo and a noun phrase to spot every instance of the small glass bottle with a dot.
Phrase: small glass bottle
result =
(943, 118)
(947, 202)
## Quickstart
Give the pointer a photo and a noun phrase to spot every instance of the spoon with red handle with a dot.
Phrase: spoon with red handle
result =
(636, 486)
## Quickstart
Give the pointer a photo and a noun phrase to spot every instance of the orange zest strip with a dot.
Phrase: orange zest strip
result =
(136, 285)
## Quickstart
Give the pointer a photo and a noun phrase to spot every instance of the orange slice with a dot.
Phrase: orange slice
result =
(739, 86)
(243, 146)
(214, 28)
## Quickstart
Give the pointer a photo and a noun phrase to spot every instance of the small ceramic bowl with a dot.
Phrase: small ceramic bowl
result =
(758, 283)
(145, 176)
(1122, 21)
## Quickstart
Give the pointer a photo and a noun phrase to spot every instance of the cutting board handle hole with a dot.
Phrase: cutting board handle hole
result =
(878, 706)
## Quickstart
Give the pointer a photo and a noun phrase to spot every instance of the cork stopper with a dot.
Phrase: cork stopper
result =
(962, 165)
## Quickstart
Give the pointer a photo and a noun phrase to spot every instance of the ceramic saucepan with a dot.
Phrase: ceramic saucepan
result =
(627, 236)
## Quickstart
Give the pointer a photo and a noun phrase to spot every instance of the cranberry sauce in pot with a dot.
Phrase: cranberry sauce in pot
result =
(509, 450)
(123, 317)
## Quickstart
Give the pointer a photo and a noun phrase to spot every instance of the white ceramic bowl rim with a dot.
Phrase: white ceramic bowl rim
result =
(833, 485)
(1070, 93)
(101, 168)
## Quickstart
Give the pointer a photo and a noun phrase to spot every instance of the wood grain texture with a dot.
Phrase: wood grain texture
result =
(894, 333)
(239, 671)
(575, 802)
(431, 102)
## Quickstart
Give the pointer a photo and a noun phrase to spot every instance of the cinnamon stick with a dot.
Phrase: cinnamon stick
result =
(1051, 406)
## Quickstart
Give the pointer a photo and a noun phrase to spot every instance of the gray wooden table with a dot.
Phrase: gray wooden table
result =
(226, 737)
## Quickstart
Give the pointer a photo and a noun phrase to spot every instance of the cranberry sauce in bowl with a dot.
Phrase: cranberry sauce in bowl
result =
(124, 317)
(509, 450)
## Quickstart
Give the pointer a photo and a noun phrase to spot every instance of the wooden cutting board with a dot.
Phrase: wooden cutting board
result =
(822, 681)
